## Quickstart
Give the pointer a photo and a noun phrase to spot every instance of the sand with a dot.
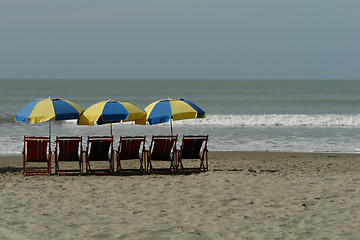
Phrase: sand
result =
(245, 195)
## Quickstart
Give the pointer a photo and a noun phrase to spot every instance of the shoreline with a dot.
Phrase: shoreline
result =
(233, 151)
(282, 162)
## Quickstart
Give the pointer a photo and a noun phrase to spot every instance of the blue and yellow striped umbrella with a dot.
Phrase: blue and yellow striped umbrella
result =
(165, 110)
(43, 110)
(111, 112)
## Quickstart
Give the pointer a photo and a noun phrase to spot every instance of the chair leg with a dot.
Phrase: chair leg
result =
(207, 162)
(149, 167)
(119, 167)
(143, 158)
(141, 166)
(24, 165)
(87, 166)
(172, 166)
(180, 164)
(202, 166)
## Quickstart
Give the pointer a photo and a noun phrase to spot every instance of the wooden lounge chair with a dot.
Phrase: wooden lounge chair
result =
(36, 150)
(68, 149)
(162, 148)
(131, 148)
(99, 149)
(193, 147)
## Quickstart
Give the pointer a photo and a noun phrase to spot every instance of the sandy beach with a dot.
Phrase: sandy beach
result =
(244, 195)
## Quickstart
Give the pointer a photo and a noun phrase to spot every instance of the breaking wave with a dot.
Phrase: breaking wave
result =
(275, 120)
(270, 120)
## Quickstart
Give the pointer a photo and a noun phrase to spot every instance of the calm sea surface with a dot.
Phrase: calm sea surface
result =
(244, 115)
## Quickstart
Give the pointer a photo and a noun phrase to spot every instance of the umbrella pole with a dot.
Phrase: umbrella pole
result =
(50, 137)
(171, 126)
(111, 128)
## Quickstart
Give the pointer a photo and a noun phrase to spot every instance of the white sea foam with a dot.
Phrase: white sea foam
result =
(272, 120)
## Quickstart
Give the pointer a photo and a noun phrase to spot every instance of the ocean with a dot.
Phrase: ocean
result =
(241, 115)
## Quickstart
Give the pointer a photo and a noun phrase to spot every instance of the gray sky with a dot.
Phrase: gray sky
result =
(217, 39)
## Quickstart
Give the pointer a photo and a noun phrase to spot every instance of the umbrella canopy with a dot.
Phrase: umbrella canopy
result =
(111, 112)
(165, 110)
(43, 110)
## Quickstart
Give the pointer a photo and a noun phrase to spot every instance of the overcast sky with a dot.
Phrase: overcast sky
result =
(217, 39)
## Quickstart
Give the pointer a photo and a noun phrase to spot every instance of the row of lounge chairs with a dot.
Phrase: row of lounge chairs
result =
(100, 149)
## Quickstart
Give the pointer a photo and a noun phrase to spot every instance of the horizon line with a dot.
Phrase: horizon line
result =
(232, 79)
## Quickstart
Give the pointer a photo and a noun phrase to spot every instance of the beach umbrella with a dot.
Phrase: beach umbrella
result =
(48, 109)
(112, 112)
(166, 110)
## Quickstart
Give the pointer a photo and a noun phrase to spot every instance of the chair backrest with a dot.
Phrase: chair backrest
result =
(36, 148)
(68, 148)
(99, 148)
(161, 147)
(129, 147)
(192, 145)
